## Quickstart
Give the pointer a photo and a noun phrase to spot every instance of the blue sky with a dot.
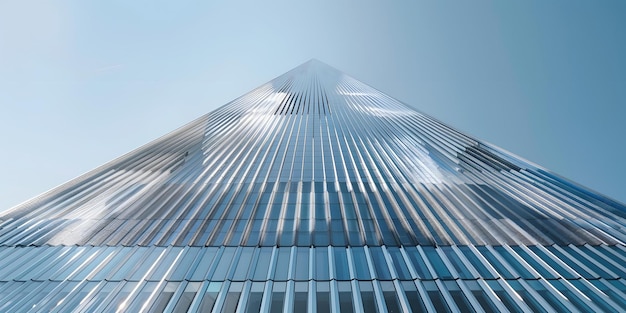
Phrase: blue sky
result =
(82, 82)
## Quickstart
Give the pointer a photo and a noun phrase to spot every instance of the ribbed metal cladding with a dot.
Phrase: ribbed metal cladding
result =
(315, 192)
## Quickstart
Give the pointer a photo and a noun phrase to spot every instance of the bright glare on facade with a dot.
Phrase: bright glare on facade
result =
(315, 192)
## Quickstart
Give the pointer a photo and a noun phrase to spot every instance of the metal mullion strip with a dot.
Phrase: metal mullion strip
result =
(498, 231)
(266, 301)
(446, 296)
(555, 293)
(409, 264)
(359, 179)
(419, 196)
(23, 297)
(580, 295)
(403, 196)
(286, 130)
(52, 297)
(439, 219)
(312, 296)
(522, 261)
(423, 294)
(583, 202)
(46, 208)
(427, 262)
(594, 260)
(12, 260)
(109, 298)
(555, 259)
(485, 263)
(543, 206)
(594, 215)
(512, 192)
(607, 250)
(493, 296)
(356, 296)
(81, 260)
(245, 152)
(389, 222)
(572, 259)
(243, 298)
(583, 206)
(378, 293)
(609, 286)
(450, 213)
(292, 263)
(502, 206)
(110, 164)
(469, 296)
(548, 202)
(50, 211)
(289, 296)
(341, 158)
(58, 256)
(73, 294)
(513, 294)
(13, 294)
(176, 297)
(490, 203)
(465, 261)
(503, 261)
(266, 150)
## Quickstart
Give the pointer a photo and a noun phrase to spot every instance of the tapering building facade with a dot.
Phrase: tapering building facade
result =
(315, 192)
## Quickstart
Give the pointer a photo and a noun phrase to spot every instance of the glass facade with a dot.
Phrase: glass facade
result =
(315, 193)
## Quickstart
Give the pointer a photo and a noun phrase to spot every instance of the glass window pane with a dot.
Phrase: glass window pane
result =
(435, 297)
(418, 263)
(282, 264)
(255, 298)
(398, 261)
(360, 263)
(380, 263)
(232, 298)
(210, 295)
(342, 271)
(389, 293)
(323, 297)
(345, 297)
(321, 263)
(302, 264)
(301, 296)
(278, 297)
(187, 297)
(436, 262)
(367, 296)
(164, 297)
(263, 264)
(412, 295)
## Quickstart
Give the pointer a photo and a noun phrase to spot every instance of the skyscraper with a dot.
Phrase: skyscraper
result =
(315, 192)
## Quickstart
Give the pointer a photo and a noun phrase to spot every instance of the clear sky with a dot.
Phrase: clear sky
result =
(82, 82)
